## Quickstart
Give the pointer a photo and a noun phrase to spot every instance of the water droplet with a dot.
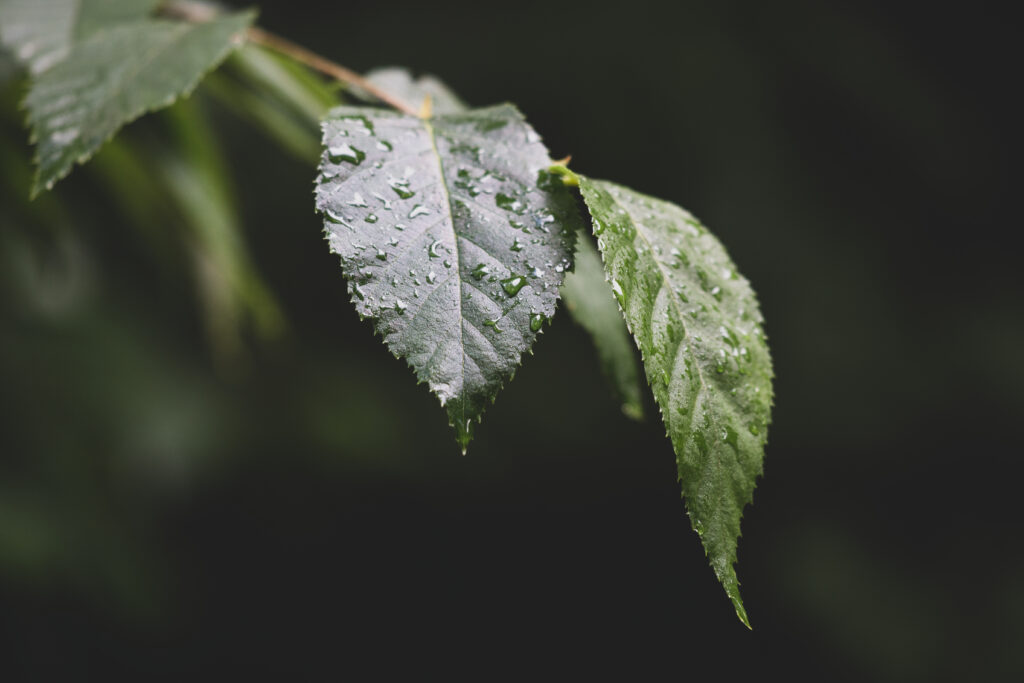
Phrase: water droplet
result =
(357, 200)
(339, 153)
(401, 187)
(418, 210)
(510, 203)
(400, 306)
(516, 224)
(513, 284)
(480, 271)
(447, 263)
(384, 146)
(333, 217)
(617, 290)
(359, 291)
(492, 324)
(537, 321)
(431, 278)
(382, 255)
(432, 249)
(516, 245)
(370, 218)
(754, 430)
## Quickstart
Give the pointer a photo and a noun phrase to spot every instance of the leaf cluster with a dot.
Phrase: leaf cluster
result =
(457, 234)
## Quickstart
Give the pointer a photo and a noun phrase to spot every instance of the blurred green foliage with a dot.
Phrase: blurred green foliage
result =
(299, 508)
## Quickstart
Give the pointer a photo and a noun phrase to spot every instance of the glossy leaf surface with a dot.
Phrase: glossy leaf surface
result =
(453, 237)
(698, 326)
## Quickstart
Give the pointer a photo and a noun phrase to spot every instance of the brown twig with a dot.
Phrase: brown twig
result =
(200, 12)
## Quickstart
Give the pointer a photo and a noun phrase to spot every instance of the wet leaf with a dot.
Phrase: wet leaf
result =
(40, 33)
(588, 298)
(453, 240)
(698, 326)
(114, 77)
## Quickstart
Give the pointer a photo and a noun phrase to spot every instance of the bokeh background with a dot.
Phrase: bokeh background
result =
(178, 502)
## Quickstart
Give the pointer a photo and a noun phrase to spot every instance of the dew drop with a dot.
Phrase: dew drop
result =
(513, 284)
(510, 203)
(617, 290)
(339, 153)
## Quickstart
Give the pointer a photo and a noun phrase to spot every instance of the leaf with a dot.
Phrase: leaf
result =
(453, 237)
(698, 327)
(116, 76)
(41, 32)
(400, 83)
(589, 300)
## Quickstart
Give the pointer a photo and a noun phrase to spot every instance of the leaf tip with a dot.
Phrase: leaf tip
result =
(741, 612)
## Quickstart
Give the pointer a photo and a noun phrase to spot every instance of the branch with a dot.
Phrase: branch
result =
(198, 12)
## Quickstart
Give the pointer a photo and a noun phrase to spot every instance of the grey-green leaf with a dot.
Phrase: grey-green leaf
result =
(116, 76)
(588, 298)
(412, 91)
(698, 326)
(41, 32)
(453, 239)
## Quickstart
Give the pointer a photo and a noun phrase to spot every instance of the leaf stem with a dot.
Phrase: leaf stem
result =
(189, 10)
(325, 66)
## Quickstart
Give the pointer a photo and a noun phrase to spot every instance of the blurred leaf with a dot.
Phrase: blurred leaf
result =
(448, 240)
(292, 84)
(296, 136)
(40, 33)
(113, 78)
(195, 173)
(589, 300)
(698, 327)
(400, 83)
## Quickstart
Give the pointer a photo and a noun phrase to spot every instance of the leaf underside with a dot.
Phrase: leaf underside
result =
(589, 300)
(453, 238)
(41, 32)
(115, 76)
(698, 327)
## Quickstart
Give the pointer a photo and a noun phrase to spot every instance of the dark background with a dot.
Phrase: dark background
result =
(311, 513)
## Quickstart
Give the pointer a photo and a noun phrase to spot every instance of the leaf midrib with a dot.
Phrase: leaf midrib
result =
(428, 126)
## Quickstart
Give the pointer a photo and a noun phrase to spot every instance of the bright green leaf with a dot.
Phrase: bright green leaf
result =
(453, 237)
(40, 33)
(116, 76)
(698, 326)
(589, 300)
